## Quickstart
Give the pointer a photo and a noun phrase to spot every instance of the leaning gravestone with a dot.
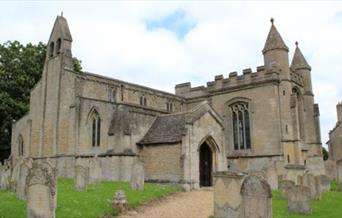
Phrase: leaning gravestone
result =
(256, 198)
(298, 199)
(272, 177)
(21, 183)
(81, 178)
(285, 186)
(138, 176)
(41, 191)
(339, 173)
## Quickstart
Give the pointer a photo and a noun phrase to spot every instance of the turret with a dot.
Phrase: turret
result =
(301, 66)
(276, 52)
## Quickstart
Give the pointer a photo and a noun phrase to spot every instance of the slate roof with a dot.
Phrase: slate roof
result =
(274, 40)
(165, 129)
(169, 129)
(298, 61)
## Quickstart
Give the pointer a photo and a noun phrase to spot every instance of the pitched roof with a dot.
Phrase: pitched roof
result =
(298, 60)
(274, 40)
(169, 129)
(166, 129)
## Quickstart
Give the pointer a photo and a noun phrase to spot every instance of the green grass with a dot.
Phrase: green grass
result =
(328, 207)
(96, 202)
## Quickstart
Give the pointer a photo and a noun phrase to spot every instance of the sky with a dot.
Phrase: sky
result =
(162, 43)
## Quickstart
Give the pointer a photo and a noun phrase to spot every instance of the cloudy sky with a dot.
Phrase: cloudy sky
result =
(160, 44)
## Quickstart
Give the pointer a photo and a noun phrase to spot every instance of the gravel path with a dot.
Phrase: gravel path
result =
(194, 204)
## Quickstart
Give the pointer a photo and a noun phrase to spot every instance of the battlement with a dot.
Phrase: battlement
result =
(234, 81)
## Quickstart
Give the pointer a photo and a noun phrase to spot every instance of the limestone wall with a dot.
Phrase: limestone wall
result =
(163, 162)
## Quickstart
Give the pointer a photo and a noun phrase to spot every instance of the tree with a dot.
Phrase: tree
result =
(21, 67)
(325, 154)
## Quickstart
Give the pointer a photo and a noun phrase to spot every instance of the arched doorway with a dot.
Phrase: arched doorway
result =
(205, 165)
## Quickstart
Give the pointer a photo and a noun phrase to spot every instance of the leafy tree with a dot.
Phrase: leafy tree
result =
(325, 154)
(21, 67)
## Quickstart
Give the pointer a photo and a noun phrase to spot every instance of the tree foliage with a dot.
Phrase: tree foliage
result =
(21, 67)
(325, 154)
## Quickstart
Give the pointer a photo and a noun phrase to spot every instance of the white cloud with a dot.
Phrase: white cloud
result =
(111, 39)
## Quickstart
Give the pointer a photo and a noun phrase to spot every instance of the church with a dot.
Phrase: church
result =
(248, 121)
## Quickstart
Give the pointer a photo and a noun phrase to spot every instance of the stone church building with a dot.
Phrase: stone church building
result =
(246, 122)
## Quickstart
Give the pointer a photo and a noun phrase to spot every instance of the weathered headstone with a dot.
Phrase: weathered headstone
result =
(138, 176)
(256, 198)
(41, 191)
(95, 171)
(81, 178)
(227, 196)
(285, 186)
(5, 177)
(313, 183)
(298, 199)
(21, 182)
(330, 169)
(120, 201)
(325, 183)
(339, 172)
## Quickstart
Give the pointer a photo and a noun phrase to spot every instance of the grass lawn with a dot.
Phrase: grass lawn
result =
(96, 202)
(328, 207)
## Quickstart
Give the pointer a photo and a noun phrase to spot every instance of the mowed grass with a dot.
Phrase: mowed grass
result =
(96, 202)
(330, 205)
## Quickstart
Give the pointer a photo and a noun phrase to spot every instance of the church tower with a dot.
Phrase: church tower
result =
(58, 59)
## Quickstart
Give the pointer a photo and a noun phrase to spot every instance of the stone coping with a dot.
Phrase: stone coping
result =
(295, 167)
(229, 174)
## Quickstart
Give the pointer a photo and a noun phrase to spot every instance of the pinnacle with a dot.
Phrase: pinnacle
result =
(274, 40)
(298, 60)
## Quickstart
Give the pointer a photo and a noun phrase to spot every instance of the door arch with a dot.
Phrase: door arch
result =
(205, 165)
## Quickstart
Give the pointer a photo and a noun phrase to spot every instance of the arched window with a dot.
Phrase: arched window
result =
(51, 49)
(169, 106)
(58, 45)
(95, 129)
(20, 146)
(241, 126)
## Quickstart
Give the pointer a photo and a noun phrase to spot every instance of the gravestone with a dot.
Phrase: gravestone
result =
(41, 191)
(256, 198)
(21, 182)
(81, 178)
(227, 196)
(330, 169)
(5, 178)
(138, 176)
(325, 183)
(285, 186)
(298, 199)
(120, 201)
(339, 173)
(95, 171)
(313, 184)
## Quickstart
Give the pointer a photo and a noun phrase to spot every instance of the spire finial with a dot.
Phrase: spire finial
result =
(61, 13)
(296, 43)
(272, 20)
